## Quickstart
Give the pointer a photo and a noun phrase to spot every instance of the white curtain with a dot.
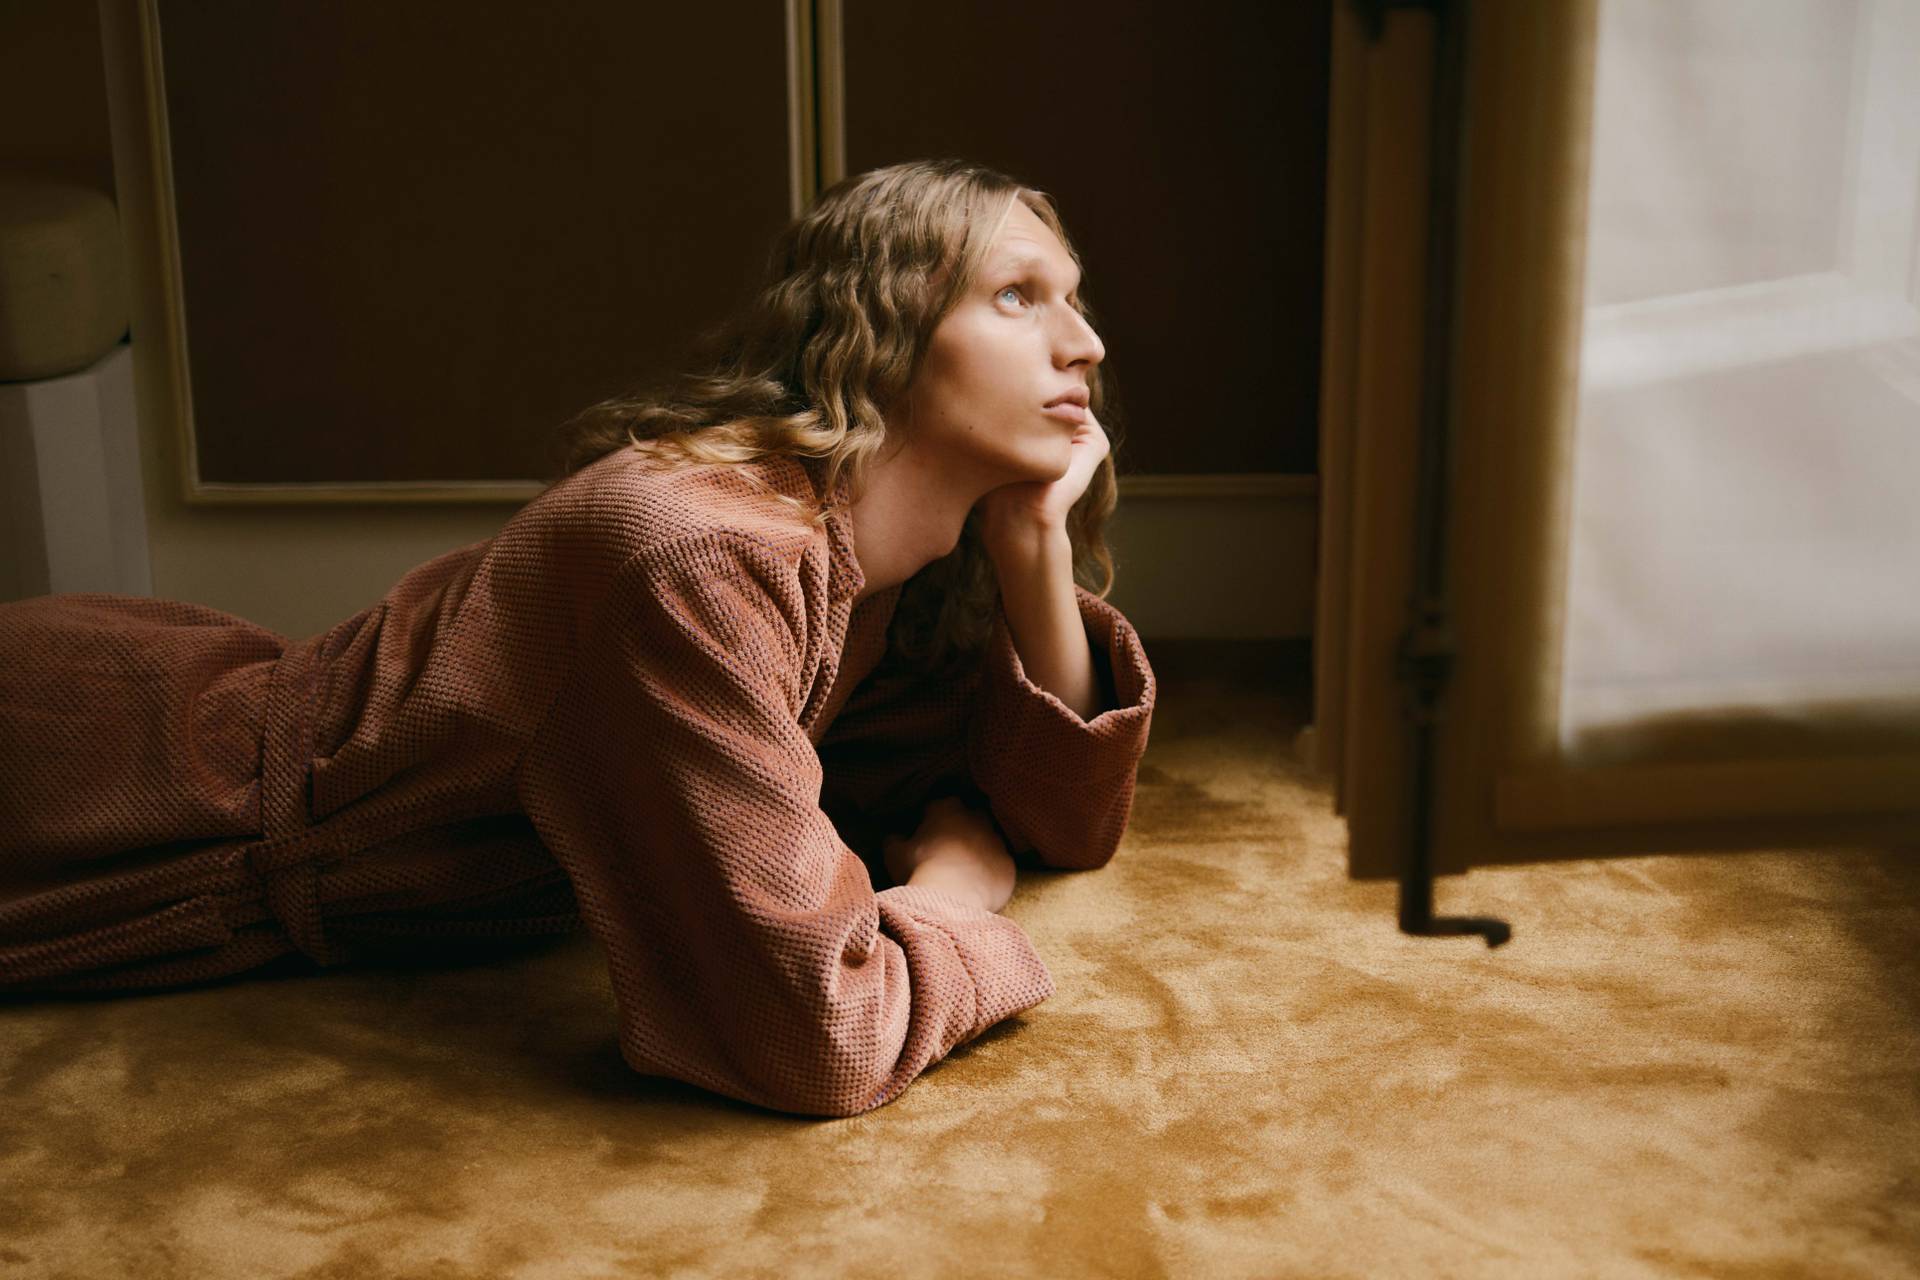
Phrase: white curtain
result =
(1745, 541)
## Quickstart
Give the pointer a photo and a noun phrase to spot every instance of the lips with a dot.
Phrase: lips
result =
(1077, 396)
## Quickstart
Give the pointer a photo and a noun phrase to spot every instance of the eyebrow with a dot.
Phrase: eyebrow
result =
(1027, 261)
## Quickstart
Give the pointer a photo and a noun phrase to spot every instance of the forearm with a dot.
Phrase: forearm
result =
(1035, 572)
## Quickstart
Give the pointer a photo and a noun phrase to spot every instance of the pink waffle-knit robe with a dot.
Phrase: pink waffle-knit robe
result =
(648, 704)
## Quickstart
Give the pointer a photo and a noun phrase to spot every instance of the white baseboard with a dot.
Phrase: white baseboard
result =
(1227, 556)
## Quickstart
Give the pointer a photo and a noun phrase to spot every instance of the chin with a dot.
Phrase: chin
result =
(1052, 454)
(1039, 460)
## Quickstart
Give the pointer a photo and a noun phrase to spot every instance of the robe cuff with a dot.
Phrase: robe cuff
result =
(995, 953)
(1060, 785)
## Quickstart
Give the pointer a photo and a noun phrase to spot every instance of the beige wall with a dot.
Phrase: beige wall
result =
(296, 569)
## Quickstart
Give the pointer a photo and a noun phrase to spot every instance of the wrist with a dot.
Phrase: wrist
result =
(1022, 544)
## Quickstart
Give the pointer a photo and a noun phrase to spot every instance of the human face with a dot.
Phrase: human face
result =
(1010, 346)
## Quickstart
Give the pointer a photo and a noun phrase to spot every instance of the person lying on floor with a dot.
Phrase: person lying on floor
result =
(813, 615)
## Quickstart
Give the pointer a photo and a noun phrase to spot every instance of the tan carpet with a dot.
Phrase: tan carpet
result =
(1680, 1066)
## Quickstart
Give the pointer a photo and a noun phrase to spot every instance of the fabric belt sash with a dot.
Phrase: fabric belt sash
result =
(113, 918)
(284, 861)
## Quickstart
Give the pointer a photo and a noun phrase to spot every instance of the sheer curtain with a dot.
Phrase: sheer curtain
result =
(1744, 554)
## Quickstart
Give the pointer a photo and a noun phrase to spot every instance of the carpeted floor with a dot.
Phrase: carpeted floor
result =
(1680, 1066)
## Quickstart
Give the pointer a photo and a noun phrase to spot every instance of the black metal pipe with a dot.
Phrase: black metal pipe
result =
(1426, 651)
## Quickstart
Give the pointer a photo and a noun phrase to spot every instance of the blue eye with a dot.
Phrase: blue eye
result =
(1009, 289)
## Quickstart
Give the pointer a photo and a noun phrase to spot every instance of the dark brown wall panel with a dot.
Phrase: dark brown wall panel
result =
(415, 237)
(1186, 147)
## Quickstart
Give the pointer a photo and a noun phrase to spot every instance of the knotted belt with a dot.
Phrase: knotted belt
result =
(153, 914)
(285, 861)
(188, 918)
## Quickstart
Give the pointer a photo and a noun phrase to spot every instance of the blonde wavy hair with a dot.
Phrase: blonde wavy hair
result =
(855, 287)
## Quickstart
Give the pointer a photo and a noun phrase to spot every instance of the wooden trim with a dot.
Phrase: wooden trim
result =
(803, 144)
(143, 178)
(1253, 484)
(1281, 486)
(159, 139)
(1284, 486)
(1751, 835)
(1840, 786)
(1380, 487)
(1516, 371)
(1325, 739)
(830, 60)
(516, 492)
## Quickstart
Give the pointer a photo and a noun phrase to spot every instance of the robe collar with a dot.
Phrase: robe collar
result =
(844, 577)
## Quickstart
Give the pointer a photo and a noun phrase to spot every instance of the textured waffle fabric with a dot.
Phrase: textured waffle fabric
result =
(649, 705)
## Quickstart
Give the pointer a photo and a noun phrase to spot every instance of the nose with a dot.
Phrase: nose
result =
(1079, 344)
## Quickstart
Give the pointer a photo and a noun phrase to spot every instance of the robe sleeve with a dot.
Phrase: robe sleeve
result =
(1059, 787)
(1062, 787)
(748, 951)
